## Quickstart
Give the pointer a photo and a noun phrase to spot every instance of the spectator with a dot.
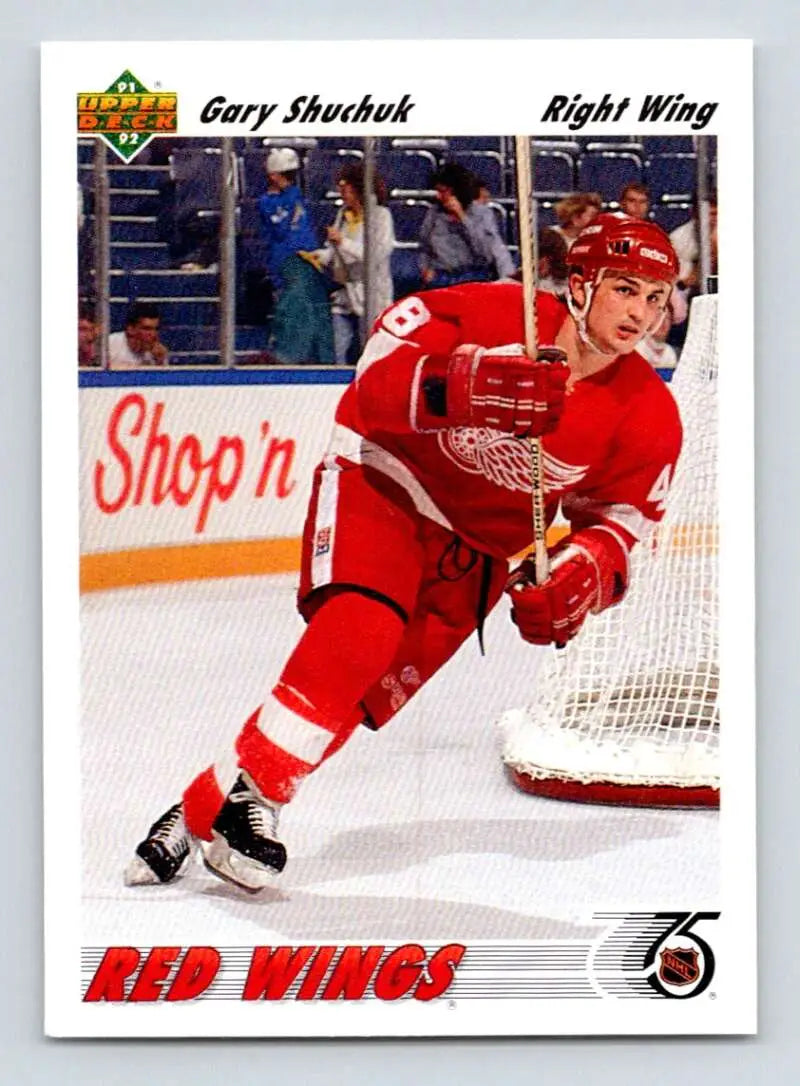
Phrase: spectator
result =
(301, 326)
(139, 343)
(459, 239)
(343, 256)
(87, 337)
(654, 347)
(634, 200)
(685, 241)
(552, 269)
(575, 212)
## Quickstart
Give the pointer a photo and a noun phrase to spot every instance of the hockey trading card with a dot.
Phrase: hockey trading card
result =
(398, 538)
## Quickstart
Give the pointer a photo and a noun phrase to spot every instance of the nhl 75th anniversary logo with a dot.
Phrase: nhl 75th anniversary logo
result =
(655, 954)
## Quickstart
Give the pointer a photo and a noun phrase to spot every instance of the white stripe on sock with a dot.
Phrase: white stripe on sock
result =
(292, 733)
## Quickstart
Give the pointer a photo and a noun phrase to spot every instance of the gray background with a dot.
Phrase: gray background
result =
(773, 1057)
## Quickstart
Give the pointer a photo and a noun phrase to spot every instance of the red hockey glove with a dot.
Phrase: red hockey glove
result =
(589, 573)
(501, 388)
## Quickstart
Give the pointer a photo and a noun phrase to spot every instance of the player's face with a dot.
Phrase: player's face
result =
(624, 308)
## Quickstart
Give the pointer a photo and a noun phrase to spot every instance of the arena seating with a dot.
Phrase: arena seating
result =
(607, 172)
(672, 175)
(141, 191)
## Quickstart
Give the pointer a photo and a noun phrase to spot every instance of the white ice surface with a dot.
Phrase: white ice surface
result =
(414, 832)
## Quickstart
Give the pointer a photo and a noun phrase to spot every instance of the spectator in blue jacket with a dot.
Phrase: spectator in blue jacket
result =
(301, 326)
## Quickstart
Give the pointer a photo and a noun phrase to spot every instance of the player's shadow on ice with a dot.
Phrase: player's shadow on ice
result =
(297, 916)
(381, 849)
(384, 850)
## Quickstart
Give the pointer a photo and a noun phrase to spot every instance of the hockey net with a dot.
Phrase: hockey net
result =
(628, 712)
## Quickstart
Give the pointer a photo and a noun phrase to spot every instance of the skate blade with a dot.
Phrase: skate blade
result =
(233, 867)
(138, 873)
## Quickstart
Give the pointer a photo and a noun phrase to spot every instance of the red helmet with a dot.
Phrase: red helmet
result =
(625, 244)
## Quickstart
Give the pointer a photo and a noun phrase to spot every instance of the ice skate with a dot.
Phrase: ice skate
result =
(244, 848)
(164, 852)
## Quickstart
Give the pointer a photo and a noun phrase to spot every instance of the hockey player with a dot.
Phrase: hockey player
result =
(421, 499)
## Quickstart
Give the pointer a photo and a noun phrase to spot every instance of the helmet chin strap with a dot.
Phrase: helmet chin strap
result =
(580, 316)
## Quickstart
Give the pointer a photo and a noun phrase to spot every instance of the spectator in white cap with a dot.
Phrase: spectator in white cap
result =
(301, 327)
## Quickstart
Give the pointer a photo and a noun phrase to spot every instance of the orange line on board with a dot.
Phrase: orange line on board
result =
(249, 557)
(190, 562)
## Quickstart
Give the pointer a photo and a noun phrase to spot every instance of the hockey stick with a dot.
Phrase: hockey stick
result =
(526, 211)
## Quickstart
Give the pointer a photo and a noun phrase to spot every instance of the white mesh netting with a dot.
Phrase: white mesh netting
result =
(628, 711)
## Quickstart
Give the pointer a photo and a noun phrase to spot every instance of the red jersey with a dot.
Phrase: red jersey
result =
(610, 461)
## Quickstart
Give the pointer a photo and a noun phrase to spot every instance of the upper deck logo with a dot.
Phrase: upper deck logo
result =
(127, 115)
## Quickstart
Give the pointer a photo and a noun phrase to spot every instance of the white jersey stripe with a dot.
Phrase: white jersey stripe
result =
(379, 345)
(626, 516)
(352, 446)
(325, 525)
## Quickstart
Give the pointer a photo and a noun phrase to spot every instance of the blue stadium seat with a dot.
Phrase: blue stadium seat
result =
(131, 228)
(194, 358)
(618, 145)
(131, 255)
(545, 216)
(206, 338)
(487, 167)
(407, 171)
(134, 201)
(407, 216)
(438, 145)
(405, 270)
(607, 172)
(251, 251)
(667, 145)
(197, 173)
(137, 177)
(670, 216)
(86, 150)
(322, 167)
(501, 215)
(672, 175)
(254, 173)
(341, 143)
(476, 143)
(554, 171)
(171, 284)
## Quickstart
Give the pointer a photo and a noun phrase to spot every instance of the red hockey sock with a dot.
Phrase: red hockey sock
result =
(202, 802)
(348, 644)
